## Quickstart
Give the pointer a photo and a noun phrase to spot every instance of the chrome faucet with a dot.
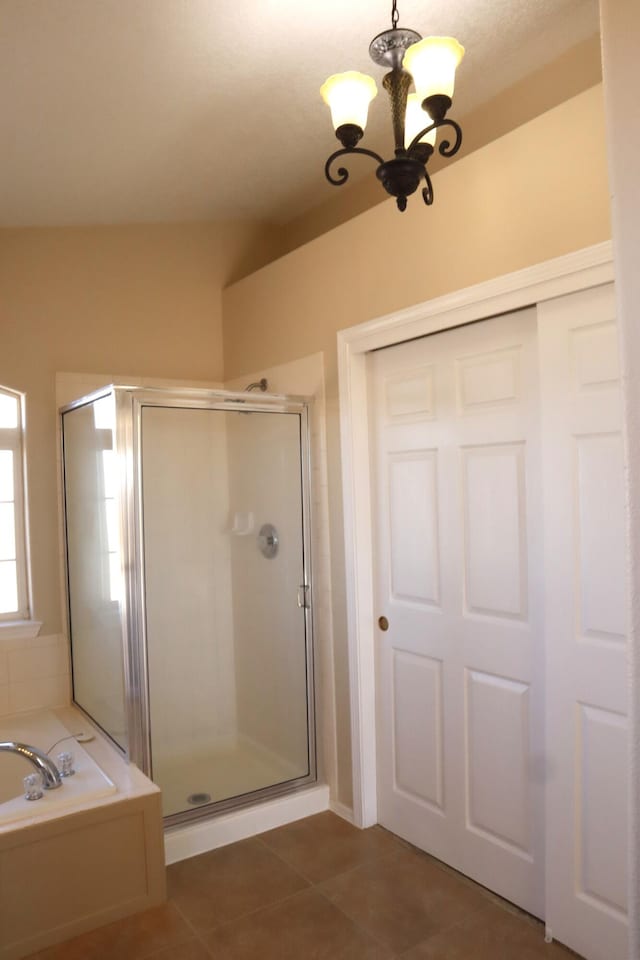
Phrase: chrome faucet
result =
(45, 766)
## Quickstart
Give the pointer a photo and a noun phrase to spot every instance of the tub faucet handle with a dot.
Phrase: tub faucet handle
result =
(32, 786)
(65, 764)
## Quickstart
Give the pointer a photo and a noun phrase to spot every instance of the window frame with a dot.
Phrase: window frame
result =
(13, 439)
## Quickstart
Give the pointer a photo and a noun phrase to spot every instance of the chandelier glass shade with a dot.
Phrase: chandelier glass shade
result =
(348, 96)
(430, 65)
(414, 120)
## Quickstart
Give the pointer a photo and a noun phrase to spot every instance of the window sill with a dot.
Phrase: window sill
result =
(19, 629)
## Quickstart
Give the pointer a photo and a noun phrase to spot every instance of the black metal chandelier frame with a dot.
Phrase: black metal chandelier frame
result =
(401, 176)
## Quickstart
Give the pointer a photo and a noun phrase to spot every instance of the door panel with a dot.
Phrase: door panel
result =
(601, 762)
(501, 682)
(497, 734)
(600, 537)
(585, 607)
(413, 525)
(456, 441)
(495, 540)
(417, 707)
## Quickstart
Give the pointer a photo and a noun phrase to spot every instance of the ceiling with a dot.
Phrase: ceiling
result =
(118, 111)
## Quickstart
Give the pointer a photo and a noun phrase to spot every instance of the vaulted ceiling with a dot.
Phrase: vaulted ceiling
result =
(155, 110)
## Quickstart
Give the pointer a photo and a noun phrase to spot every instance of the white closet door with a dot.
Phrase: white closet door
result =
(585, 624)
(458, 541)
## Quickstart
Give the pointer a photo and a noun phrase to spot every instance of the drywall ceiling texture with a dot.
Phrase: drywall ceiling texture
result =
(157, 110)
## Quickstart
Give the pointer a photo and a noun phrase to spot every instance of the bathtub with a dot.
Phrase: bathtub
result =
(42, 730)
(88, 852)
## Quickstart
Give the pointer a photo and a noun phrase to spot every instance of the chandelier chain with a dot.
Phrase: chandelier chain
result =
(394, 15)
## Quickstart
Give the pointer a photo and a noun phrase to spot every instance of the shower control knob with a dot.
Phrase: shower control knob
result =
(268, 541)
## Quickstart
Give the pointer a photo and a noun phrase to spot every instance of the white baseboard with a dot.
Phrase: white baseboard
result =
(341, 810)
(191, 839)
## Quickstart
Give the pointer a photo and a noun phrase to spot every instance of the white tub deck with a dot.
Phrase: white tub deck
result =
(80, 791)
(84, 855)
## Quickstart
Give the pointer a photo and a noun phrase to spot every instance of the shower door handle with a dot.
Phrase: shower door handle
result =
(303, 597)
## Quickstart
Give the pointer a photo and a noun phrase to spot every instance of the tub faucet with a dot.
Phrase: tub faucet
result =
(44, 765)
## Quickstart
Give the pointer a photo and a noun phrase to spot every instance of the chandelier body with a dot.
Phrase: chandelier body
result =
(430, 64)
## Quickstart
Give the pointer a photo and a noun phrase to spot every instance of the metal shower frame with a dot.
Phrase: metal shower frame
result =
(129, 404)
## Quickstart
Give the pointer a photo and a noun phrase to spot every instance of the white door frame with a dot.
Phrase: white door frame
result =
(586, 268)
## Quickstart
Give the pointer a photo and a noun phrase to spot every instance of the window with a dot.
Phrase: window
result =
(14, 599)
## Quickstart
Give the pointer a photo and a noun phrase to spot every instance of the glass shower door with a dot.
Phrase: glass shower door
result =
(227, 629)
(94, 563)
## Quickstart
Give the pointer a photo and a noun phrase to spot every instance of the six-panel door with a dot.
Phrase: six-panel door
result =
(499, 530)
(458, 550)
(585, 607)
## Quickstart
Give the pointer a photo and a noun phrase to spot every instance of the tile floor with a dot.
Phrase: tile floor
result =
(318, 889)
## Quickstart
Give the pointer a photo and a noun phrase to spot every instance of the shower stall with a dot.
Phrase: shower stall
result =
(187, 531)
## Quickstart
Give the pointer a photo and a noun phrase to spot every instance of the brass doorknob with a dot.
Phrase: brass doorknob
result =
(383, 623)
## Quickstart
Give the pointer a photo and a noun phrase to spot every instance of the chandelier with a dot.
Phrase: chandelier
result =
(429, 64)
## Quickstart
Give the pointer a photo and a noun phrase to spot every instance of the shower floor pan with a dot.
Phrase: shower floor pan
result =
(220, 774)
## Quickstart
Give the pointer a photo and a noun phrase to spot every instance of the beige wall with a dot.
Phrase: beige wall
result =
(538, 192)
(143, 300)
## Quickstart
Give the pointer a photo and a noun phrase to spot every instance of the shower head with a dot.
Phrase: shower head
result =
(258, 385)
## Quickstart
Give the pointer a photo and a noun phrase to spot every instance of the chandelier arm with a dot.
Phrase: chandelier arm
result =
(427, 191)
(342, 172)
(446, 149)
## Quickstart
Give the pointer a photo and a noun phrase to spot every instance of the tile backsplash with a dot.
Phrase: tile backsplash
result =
(34, 674)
